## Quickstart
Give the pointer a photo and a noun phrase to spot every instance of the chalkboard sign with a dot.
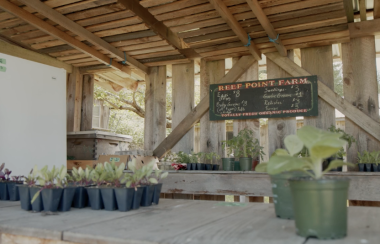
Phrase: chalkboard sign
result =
(274, 98)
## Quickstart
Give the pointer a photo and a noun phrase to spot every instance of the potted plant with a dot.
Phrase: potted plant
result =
(158, 186)
(194, 160)
(4, 178)
(326, 197)
(114, 175)
(183, 158)
(247, 149)
(166, 162)
(134, 180)
(228, 163)
(374, 160)
(29, 181)
(81, 179)
(363, 158)
(341, 153)
(98, 177)
(366, 159)
(67, 194)
(148, 185)
(51, 192)
(12, 187)
(209, 159)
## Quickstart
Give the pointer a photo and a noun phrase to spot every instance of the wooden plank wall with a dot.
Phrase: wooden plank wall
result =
(361, 89)
(254, 124)
(87, 102)
(212, 132)
(155, 107)
(74, 100)
(279, 128)
(183, 102)
(319, 60)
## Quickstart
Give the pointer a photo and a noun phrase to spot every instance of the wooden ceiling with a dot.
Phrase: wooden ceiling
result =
(87, 34)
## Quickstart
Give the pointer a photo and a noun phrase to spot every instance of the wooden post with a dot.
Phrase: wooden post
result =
(254, 124)
(360, 89)
(279, 128)
(183, 102)
(155, 107)
(74, 100)
(212, 132)
(319, 60)
(87, 102)
(104, 115)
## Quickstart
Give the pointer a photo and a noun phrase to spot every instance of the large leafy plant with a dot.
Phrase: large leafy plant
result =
(50, 179)
(320, 145)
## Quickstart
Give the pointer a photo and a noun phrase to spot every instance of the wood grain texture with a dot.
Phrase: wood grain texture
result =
(279, 128)
(183, 102)
(360, 89)
(376, 9)
(87, 102)
(253, 124)
(319, 61)
(212, 132)
(351, 112)
(348, 7)
(365, 28)
(187, 123)
(74, 100)
(155, 107)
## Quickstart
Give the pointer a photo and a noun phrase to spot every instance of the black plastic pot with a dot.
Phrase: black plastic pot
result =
(375, 168)
(51, 198)
(198, 166)
(361, 167)
(80, 197)
(208, 166)
(157, 192)
(327, 198)
(193, 166)
(137, 198)
(4, 191)
(109, 199)
(95, 198)
(188, 166)
(368, 167)
(24, 197)
(12, 191)
(378, 167)
(37, 205)
(215, 167)
(147, 195)
(124, 198)
(66, 199)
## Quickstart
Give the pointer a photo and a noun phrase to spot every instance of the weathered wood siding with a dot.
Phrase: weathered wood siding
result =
(74, 100)
(87, 102)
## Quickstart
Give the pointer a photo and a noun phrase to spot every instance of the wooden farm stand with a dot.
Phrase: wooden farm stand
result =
(120, 44)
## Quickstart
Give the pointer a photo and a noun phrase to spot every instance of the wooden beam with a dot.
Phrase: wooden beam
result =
(223, 11)
(363, 10)
(268, 27)
(106, 84)
(121, 81)
(20, 52)
(73, 27)
(87, 102)
(193, 117)
(74, 100)
(361, 119)
(348, 7)
(376, 9)
(365, 28)
(158, 27)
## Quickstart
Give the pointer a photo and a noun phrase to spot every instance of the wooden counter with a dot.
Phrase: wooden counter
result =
(173, 221)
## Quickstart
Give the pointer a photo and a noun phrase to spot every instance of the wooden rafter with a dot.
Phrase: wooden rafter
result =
(349, 9)
(73, 27)
(193, 117)
(226, 15)
(365, 28)
(363, 10)
(158, 27)
(361, 119)
(268, 27)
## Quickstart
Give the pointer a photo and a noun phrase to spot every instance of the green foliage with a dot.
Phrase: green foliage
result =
(99, 175)
(345, 136)
(81, 177)
(31, 179)
(182, 158)
(320, 145)
(369, 157)
(194, 158)
(245, 145)
(208, 157)
(114, 173)
(142, 175)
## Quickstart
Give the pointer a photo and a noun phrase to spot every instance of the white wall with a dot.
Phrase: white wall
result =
(32, 115)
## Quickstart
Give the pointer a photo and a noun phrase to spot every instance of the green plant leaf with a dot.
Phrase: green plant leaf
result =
(337, 163)
(280, 152)
(261, 167)
(35, 196)
(279, 164)
(164, 175)
(153, 181)
(293, 144)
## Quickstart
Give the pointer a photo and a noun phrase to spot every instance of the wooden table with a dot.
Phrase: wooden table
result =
(173, 221)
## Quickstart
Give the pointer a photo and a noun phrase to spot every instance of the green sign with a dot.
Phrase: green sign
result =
(3, 61)
(3, 69)
(116, 160)
(274, 98)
